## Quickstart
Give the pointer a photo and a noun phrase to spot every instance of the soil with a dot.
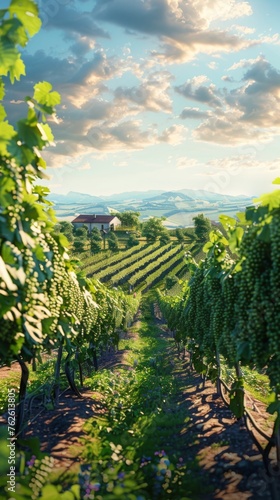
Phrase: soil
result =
(228, 459)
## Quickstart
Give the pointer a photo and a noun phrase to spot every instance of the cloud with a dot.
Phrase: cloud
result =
(242, 29)
(228, 130)
(213, 10)
(82, 46)
(248, 113)
(227, 78)
(182, 28)
(213, 65)
(151, 94)
(54, 15)
(174, 135)
(184, 162)
(129, 135)
(193, 113)
(205, 95)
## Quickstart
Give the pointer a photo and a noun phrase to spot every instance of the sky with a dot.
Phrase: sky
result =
(159, 94)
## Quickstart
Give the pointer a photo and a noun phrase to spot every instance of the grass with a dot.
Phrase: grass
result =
(43, 376)
(135, 449)
(256, 384)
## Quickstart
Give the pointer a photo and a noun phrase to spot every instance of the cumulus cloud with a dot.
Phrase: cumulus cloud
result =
(194, 113)
(82, 46)
(151, 94)
(194, 91)
(183, 28)
(102, 111)
(248, 113)
(213, 65)
(228, 130)
(130, 135)
(174, 135)
(70, 20)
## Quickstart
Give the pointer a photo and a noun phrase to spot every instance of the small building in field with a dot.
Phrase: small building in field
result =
(102, 222)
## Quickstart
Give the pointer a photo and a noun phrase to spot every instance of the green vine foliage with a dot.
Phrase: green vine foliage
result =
(29, 254)
(44, 302)
(232, 307)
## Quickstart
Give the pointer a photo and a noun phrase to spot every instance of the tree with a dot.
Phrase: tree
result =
(95, 241)
(180, 235)
(153, 229)
(113, 242)
(82, 232)
(170, 281)
(202, 227)
(132, 241)
(65, 228)
(79, 245)
(129, 218)
(165, 237)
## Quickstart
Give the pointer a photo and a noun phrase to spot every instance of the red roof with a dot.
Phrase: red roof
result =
(89, 219)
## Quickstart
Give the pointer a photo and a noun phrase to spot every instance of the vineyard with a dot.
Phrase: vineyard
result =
(139, 268)
(143, 366)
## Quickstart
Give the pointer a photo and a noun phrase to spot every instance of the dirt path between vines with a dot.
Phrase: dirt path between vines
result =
(228, 459)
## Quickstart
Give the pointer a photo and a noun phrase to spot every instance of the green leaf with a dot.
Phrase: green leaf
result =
(227, 222)
(264, 234)
(8, 255)
(276, 181)
(63, 240)
(20, 152)
(27, 12)
(15, 32)
(244, 352)
(207, 247)
(46, 132)
(7, 132)
(29, 134)
(2, 89)
(236, 238)
(35, 332)
(6, 186)
(242, 218)
(6, 277)
(3, 113)
(8, 56)
(43, 94)
(274, 407)
(17, 70)
(270, 199)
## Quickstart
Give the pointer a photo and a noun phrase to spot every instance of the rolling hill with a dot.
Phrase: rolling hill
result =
(179, 207)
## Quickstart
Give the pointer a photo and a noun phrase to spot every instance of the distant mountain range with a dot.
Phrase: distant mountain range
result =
(179, 207)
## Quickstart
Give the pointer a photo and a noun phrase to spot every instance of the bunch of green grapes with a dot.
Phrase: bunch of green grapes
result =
(227, 345)
(195, 297)
(217, 307)
(254, 254)
(202, 319)
(273, 308)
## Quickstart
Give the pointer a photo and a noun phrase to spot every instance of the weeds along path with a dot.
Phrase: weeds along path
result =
(148, 431)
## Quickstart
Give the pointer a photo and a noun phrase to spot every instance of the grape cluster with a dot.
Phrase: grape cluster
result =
(227, 345)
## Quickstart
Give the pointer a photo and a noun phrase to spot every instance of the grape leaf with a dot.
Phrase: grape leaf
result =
(27, 13)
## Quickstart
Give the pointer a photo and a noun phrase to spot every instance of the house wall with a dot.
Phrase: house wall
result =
(105, 225)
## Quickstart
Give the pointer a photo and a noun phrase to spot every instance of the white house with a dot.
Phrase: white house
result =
(102, 222)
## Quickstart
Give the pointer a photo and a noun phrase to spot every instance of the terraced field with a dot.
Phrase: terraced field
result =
(137, 268)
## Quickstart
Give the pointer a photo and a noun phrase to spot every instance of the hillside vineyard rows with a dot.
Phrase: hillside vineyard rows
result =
(224, 319)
